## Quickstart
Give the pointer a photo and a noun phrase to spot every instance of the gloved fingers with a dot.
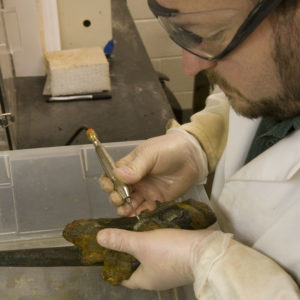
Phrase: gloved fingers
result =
(134, 166)
(159, 169)
(105, 183)
(115, 199)
(146, 205)
(162, 188)
(125, 209)
(149, 244)
(107, 186)
(149, 189)
(117, 239)
(133, 281)
(138, 199)
(126, 174)
(147, 280)
(140, 280)
(164, 254)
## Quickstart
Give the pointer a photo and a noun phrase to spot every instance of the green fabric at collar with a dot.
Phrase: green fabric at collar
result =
(269, 132)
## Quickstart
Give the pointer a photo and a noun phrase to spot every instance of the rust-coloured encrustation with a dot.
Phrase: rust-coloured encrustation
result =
(117, 266)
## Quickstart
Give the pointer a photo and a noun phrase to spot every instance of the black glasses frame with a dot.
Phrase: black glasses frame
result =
(256, 16)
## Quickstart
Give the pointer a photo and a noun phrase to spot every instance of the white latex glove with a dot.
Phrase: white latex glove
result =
(226, 269)
(164, 254)
(159, 169)
(219, 267)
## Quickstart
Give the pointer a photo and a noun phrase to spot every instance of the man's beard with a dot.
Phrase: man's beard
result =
(286, 104)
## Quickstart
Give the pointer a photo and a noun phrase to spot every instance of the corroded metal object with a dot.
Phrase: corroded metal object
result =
(118, 266)
(42, 257)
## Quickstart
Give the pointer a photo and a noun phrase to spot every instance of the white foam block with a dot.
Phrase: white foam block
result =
(78, 71)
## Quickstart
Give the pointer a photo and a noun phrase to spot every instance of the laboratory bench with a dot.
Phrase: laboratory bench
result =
(138, 108)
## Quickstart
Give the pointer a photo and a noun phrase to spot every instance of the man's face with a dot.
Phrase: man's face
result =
(253, 76)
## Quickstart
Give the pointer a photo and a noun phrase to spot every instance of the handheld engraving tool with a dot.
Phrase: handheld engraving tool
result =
(108, 165)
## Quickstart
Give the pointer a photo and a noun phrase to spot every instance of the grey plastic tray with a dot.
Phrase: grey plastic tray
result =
(43, 189)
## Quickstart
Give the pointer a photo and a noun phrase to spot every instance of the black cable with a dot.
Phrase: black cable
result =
(73, 137)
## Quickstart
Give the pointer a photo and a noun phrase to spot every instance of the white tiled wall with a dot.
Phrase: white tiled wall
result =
(164, 54)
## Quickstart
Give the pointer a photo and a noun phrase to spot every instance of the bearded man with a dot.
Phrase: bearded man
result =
(248, 135)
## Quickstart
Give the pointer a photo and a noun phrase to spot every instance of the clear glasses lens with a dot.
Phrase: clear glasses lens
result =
(206, 34)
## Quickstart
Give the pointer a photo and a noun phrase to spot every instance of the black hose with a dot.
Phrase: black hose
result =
(77, 132)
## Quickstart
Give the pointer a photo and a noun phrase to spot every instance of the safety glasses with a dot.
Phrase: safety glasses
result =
(212, 34)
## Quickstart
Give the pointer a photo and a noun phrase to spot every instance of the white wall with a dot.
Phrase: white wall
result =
(164, 53)
(28, 59)
(72, 14)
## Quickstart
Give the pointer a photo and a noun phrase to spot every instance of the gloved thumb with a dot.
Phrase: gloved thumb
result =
(136, 165)
(117, 239)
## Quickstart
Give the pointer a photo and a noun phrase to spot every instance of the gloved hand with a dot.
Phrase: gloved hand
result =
(211, 260)
(160, 169)
(165, 255)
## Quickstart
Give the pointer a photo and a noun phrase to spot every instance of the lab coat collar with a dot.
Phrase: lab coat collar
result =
(240, 136)
(279, 163)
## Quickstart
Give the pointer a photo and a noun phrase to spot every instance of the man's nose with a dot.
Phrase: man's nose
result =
(193, 64)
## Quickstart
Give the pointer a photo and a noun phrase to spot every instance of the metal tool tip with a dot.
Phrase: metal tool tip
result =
(128, 200)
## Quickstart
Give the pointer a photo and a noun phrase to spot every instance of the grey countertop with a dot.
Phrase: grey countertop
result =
(138, 109)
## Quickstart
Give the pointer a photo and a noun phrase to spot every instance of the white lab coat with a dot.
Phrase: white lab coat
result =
(260, 202)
